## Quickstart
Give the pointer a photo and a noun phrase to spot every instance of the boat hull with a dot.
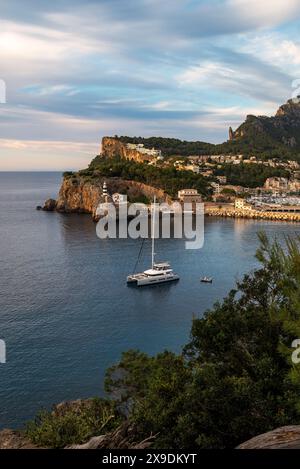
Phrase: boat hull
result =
(141, 281)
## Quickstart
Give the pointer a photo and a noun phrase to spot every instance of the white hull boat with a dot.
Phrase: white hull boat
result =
(160, 272)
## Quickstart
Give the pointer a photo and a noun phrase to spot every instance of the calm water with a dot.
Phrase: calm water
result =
(66, 313)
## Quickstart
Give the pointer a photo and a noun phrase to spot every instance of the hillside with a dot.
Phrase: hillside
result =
(268, 137)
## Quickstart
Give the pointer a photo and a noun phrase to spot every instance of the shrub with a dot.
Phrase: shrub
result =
(73, 423)
(68, 174)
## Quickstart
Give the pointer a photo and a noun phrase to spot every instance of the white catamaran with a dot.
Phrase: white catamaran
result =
(160, 272)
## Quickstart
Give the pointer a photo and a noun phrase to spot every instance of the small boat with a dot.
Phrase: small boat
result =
(206, 280)
(160, 272)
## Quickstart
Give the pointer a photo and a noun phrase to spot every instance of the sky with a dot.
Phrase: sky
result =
(74, 71)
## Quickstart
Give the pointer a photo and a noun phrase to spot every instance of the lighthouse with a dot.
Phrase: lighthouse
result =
(104, 191)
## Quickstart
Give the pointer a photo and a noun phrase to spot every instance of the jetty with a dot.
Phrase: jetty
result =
(289, 214)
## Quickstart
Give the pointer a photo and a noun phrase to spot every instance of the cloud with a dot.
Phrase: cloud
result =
(277, 49)
(180, 68)
(239, 73)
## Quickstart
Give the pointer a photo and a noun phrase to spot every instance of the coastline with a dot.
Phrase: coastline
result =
(78, 195)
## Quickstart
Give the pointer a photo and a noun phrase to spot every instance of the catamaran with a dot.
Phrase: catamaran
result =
(160, 272)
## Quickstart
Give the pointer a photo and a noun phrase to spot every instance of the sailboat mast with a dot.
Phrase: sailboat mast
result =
(153, 230)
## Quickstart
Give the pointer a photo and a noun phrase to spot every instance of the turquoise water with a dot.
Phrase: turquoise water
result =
(66, 312)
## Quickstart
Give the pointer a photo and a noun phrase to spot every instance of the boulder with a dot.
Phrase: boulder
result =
(281, 438)
(50, 205)
(10, 439)
(124, 437)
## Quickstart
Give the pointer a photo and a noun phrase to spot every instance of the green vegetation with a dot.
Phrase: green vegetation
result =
(249, 175)
(173, 146)
(139, 199)
(165, 178)
(267, 144)
(68, 174)
(73, 424)
(235, 378)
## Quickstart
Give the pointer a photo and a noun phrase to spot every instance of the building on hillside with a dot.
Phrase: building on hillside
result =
(189, 196)
(140, 148)
(279, 185)
(222, 179)
(241, 204)
(192, 167)
(207, 173)
(276, 184)
(119, 198)
(294, 185)
(216, 187)
(181, 166)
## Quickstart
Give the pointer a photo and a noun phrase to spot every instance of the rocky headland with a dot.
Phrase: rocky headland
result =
(81, 195)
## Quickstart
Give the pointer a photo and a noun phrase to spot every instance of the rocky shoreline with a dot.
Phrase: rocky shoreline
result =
(81, 195)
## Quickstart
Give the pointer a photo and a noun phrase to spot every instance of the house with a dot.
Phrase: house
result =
(193, 167)
(222, 179)
(119, 198)
(277, 184)
(216, 187)
(241, 204)
(189, 196)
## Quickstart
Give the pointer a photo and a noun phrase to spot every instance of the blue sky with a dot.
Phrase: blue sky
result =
(76, 71)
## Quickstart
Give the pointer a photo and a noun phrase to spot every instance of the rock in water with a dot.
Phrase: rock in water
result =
(50, 205)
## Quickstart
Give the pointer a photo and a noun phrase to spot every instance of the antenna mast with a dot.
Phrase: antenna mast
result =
(153, 229)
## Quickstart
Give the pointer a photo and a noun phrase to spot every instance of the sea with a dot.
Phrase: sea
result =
(66, 312)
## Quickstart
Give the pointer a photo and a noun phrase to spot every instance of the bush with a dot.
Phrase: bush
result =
(68, 174)
(75, 423)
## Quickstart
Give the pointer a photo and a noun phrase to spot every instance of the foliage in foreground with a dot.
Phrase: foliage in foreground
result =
(73, 424)
(235, 378)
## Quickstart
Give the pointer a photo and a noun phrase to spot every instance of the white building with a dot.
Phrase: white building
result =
(119, 198)
(144, 151)
(241, 204)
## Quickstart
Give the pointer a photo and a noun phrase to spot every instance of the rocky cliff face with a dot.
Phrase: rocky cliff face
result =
(281, 438)
(281, 129)
(113, 147)
(80, 195)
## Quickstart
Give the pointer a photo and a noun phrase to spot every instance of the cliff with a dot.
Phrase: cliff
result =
(112, 147)
(79, 194)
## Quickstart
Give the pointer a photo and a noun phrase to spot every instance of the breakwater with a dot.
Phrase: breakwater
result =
(252, 214)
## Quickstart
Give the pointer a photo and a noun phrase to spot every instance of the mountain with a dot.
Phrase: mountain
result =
(266, 137)
(279, 133)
